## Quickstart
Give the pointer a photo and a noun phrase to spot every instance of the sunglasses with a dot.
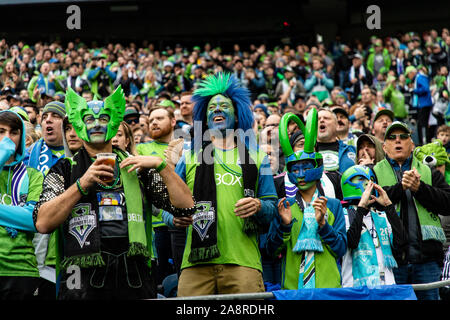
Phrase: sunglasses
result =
(132, 120)
(403, 136)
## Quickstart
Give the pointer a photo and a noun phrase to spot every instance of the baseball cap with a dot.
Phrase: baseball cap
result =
(21, 112)
(409, 69)
(381, 112)
(167, 103)
(340, 110)
(130, 112)
(396, 125)
(167, 64)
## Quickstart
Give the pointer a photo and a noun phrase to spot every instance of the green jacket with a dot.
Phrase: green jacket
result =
(396, 99)
(371, 59)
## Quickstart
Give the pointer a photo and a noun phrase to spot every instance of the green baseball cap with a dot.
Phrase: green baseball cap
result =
(381, 112)
(397, 125)
(166, 103)
(410, 69)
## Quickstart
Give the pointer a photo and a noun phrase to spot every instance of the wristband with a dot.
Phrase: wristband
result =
(84, 193)
(161, 166)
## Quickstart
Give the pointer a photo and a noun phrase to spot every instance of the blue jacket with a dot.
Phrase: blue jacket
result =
(347, 156)
(422, 93)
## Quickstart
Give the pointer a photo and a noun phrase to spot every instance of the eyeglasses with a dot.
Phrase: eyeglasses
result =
(132, 120)
(403, 136)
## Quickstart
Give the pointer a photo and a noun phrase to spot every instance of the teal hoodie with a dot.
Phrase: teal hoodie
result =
(20, 189)
(18, 216)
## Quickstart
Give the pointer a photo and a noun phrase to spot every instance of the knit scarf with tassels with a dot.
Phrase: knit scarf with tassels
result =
(82, 235)
(204, 235)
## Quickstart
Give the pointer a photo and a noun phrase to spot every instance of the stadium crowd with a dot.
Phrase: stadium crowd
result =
(376, 119)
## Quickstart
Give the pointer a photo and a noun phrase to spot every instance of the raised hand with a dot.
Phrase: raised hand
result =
(320, 208)
(284, 210)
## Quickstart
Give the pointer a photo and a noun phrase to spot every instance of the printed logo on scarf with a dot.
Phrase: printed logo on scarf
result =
(203, 218)
(82, 223)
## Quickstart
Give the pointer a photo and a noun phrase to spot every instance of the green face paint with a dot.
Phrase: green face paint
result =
(97, 127)
(305, 185)
(94, 114)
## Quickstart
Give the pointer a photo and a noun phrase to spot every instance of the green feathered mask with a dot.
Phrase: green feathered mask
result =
(78, 108)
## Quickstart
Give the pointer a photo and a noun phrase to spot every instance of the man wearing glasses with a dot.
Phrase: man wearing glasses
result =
(419, 195)
(131, 117)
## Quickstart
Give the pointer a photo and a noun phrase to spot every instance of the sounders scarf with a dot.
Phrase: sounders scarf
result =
(45, 86)
(82, 240)
(308, 238)
(41, 157)
(204, 231)
(308, 242)
(19, 190)
(364, 257)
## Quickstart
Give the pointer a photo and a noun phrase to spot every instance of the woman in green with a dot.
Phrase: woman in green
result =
(20, 187)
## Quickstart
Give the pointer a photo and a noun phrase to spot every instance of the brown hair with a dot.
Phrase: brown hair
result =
(169, 110)
(443, 128)
(131, 148)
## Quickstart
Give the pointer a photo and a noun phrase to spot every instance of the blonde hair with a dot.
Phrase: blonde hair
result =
(31, 133)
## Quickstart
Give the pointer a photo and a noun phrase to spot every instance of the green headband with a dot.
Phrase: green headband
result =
(78, 108)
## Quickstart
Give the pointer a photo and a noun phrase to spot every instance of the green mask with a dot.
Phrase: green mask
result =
(96, 121)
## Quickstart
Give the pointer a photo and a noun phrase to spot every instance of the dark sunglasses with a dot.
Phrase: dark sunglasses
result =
(403, 136)
(132, 120)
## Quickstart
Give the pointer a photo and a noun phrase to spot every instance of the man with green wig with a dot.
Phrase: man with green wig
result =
(103, 229)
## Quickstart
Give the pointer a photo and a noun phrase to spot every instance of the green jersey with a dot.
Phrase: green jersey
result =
(235, 246)
(17, 257)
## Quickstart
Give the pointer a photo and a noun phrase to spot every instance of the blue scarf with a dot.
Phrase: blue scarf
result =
(19, 191)
(42, 157)
(364, 257)
(308, 238)
(45, 86)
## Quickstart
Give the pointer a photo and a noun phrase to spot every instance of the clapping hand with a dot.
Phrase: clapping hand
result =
(320, 208)
(411, 180)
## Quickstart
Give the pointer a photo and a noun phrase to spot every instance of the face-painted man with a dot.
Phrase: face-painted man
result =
(112, 213)
(220, 114)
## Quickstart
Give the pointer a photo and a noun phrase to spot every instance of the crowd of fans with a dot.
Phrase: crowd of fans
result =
(368, 86)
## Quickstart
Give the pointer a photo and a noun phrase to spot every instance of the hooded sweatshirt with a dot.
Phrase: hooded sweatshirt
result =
(379, 153)
(20, 189)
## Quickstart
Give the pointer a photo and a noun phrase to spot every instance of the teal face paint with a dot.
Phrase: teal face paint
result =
(220, 113)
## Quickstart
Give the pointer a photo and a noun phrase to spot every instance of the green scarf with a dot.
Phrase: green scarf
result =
(82, 236)
(430, 225)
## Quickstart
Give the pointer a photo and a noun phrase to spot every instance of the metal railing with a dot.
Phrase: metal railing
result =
(270, 295)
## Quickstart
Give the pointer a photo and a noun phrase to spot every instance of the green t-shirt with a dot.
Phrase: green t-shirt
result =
(153, 148)
(234, 245)
(17, 257)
